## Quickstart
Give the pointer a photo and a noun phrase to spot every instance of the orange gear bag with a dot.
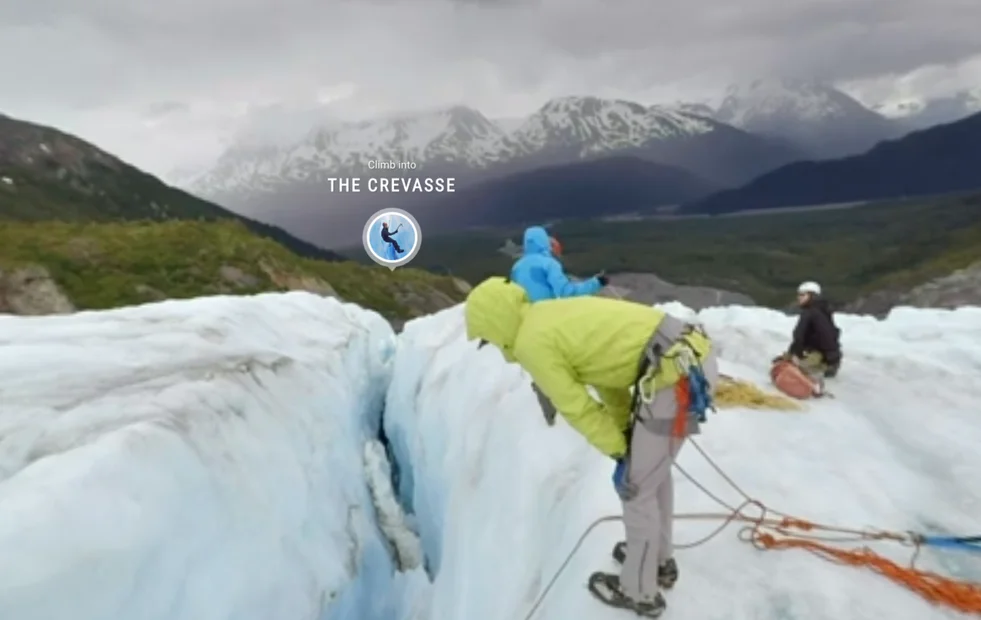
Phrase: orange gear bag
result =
(794, 382)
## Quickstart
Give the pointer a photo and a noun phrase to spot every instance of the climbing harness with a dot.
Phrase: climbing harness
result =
(686, 354)
(772, 529)
(691, 388)
(700, 393)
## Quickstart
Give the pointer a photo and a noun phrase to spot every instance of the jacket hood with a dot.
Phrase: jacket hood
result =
(820, 304)
(494, 310)
(537, 241)
(823, 305)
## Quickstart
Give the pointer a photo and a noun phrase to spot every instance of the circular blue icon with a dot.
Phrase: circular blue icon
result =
(392, 237)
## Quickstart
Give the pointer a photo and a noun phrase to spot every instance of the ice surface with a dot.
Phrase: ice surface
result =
(193, 460)
(391, 516)
(500, 498)
(219, 459)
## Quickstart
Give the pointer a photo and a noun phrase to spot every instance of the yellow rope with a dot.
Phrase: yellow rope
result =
(738, 393)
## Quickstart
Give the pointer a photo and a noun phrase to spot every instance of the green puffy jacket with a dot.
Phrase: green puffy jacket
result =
(567, 344)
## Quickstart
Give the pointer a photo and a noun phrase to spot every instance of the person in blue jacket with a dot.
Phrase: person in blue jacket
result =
(541, 274)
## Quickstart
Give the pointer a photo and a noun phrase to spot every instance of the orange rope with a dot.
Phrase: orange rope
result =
(939, 590)
(682, 394)
(788, 532)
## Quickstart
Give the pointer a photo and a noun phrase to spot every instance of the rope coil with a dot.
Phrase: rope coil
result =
(784, 531)
(788, 532)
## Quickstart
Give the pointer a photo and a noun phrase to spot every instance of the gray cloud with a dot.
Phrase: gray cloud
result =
(108, 69)
(163, 109)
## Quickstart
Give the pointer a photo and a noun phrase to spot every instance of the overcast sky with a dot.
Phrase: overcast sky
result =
(165, 84)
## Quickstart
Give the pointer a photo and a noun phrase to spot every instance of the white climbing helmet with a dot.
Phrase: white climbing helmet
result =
(809, 287)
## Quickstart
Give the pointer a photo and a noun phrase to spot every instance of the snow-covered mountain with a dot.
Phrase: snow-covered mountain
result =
(563, 130)
(508, 125)
(222, 458)
(456, 135)
(278, 183)
(920, 113)
(819, 119)
(593, 126)
(697, 108)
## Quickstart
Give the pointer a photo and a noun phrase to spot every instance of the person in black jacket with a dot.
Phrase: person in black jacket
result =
(815, 343)
(388, 238)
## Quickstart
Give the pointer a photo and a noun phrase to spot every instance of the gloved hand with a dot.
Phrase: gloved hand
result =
(548, 409)
(601, 277)
(623, 488)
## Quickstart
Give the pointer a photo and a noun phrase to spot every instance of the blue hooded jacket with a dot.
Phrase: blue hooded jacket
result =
(542, 275)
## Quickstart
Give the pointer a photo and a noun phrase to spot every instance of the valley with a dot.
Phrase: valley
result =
(767, 144)
(272, 346)
(853, 252)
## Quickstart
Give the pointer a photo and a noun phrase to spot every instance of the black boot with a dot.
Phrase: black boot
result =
(667, 573)
(606, 588)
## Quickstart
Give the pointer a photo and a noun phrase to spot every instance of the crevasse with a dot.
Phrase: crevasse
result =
(225, 458)
(208, 459)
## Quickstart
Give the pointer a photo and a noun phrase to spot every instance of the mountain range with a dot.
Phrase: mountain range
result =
(821, 121)
(939, 160)
(758, 127)
(288, 186)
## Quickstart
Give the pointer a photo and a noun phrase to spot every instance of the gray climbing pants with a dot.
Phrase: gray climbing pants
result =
(647, 515)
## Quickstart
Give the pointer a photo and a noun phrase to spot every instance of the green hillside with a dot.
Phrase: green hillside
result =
(850, 251)
(106, 265)
(46, 174)
(104, 234)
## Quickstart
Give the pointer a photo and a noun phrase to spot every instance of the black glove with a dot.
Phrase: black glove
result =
(548, 409)
(601, 277)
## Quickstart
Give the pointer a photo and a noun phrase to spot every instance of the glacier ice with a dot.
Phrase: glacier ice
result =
(500, 498)
(193, 460)
(221, 459)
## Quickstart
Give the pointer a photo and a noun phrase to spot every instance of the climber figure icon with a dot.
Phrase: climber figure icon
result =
(392, 237)
(389, 236)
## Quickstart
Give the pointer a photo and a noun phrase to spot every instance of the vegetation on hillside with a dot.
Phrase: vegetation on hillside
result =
(850, 251)
(46, 174)
(111, 264)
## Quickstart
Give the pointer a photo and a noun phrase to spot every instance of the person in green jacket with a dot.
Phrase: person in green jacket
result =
(615, 346)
